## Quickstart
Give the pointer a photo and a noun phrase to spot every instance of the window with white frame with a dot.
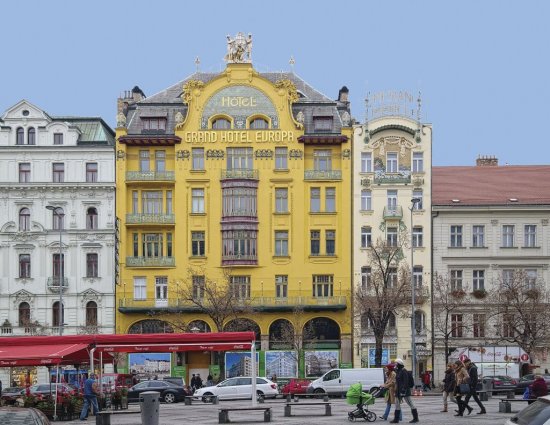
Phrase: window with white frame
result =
(478, 325)
(160, 161)
(366, 162)
(508, 276)
(478, 280)
(530, 236)
(417, 276)
(391, 236)
(392, 165)
(330, 199)
(144, 161)
(366, 236)
(315, 199)
(281, 286)
(417, 237)
(240, 285)
(315, 242)
(169, 209)
(508, 236)
(456, 280)
(366, 200)
(135, 202)
(197, 155)
(161, 288)
(322, 160)
(508, 330)
(392, 200)
(391, 275)
(197, 201)
(197, 244)
(281, 243)
(330, 242)
(239, 158)
(198, 287)
(418, 194)
(457, 325)
(151, 201)
(531, 278)
(323, 286)
(418, 162)
(365, 277)
(478, 236)
(456, 236)
(281, 200)
(140, 288)
(152, 245)
(281, 158)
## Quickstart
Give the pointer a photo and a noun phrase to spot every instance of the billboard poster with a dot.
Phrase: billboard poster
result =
(385, 356)
(282, 364)
(321, 361)
(150, 365)
(239, 363)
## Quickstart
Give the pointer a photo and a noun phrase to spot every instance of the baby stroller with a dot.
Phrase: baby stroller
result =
(362, 400)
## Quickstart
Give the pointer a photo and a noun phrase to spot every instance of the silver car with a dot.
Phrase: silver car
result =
(537, 413)
(238, 387)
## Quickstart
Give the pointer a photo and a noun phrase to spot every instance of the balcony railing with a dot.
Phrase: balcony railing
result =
(395, 212)
(150, 262)
(53, 284)
(322, 174)
(150, 219)
(250, 259)
(150, 176)
(241, 173)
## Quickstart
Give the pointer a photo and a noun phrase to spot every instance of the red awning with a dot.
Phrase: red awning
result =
(43, 355)
(167, 348)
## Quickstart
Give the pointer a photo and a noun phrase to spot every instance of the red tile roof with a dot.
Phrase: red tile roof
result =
(529, 184)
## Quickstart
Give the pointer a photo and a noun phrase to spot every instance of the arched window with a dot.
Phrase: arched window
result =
(55, 314)
(24, 219)
(31, 136)
(221, 124)
(91, 313)
(198, 326)
(24, 314)
(58, 219)
(419, 321)
(150, 326)
(282, 335)
(20, 133)
(91, 218)
(259, 124)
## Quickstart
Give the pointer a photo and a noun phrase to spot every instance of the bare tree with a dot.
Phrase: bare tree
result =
(385, 290)
(292, 333)
(523, 311)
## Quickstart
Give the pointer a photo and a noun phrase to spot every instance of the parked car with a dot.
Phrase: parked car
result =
(22, 415)
(337, 381)
(111, 381)
(46, 389)
(177, 380)
(169, 393)
(537, 413)
(527, 380)
(500, 382)
(295, 386)
(239, 387)
(10, 394)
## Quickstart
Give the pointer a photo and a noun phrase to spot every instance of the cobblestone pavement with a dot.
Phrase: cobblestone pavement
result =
(428, 407)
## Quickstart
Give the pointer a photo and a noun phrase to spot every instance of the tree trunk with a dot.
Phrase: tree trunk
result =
(378, 339)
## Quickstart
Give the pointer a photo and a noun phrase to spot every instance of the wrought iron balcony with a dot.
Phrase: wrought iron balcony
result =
(392, 213)
(240, 173)
(322, 174)
(53, 284)
(150, 262)
(150, 219)
(241, 259)
(421, 295)
(150, 176)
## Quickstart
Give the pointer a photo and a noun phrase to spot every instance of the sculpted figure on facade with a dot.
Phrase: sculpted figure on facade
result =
(239, 49)
(121, 120)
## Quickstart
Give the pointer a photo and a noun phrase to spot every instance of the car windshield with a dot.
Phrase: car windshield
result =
(534, 414)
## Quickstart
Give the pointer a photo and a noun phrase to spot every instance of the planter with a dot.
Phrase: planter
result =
(479, 294)
(458, 294)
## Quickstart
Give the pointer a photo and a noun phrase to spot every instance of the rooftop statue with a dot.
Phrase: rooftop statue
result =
(239, 49)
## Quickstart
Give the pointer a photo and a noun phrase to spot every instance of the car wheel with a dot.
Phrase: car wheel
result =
(260, 395)
(169, 398)
(207, 397)
(319, 393)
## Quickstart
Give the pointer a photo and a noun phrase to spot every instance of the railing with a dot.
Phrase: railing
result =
(395, 212)
(240, 174)
(391, 178)
(150, 219)
(420, 294)
(150, 176)
(150, 261)
(53, 330)
(53, 284)
(322, 174)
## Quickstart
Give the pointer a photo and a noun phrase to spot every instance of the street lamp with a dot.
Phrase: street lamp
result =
(56, 211)
(414, 202)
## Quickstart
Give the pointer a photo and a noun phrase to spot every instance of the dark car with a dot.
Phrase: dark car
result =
(177, 380)
(500, 382)
(169, 393)
(10, 394)
(537, 413)
(22, 416)
(295, 386)
(527, 380)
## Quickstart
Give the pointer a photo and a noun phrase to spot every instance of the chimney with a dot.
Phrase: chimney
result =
(137, 94)
(486, 161)
(343, 94)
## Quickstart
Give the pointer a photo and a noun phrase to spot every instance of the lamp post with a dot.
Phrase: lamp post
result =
(414, 202)
(55, 211)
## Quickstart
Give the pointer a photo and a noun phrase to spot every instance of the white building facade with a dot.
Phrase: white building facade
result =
(67, 164)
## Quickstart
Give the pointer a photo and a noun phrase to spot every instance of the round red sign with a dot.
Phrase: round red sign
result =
(524, 357)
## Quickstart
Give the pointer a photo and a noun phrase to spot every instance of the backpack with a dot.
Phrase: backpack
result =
(411, 379)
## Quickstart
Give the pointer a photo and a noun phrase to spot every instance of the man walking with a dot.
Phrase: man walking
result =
(474, 379)
(90, 397)
(403, 381)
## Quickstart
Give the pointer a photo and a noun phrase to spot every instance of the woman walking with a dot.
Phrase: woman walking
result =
(462, 377)
(449, 384)
(391, 387)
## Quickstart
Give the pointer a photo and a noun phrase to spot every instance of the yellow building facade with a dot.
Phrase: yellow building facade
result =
(239, 178)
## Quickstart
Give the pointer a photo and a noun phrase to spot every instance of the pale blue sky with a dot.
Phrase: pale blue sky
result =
(482, 66)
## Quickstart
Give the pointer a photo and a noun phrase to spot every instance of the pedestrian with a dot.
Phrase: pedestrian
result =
(537, 389)
(403, 392)
(90, 397)
(209, 380)
(426, 381)
(474, 379)
(449, 384)
(193, 382)
(461, 377)
(390, 386)
(198, 381)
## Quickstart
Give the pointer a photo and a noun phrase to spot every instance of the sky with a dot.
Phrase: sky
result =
(482, 66)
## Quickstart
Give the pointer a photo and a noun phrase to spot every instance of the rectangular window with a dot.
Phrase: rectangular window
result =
(140, 288)
(322, 160)
(135, 240)
(323, 286)
(530, 234)
(315, 200)
(281, 200)
(365, 277)
(315, 242)
(197, 201)
(418, 194)
(152, 245)
(418, 162)
(322, 124)
(330, 242)
(24, 172)
(169, 246)
(24, 265)
(91, 172)
(478, 280)
(508, 236)
(58, 138)
(478, 236)
(281, 158)
(144, 162)
(169, 207)
(239, 159)
(478, 323)
(456, 280)
(417, 276)
(160, 161)
(91, 265)
(391, 236)
(135, 202)
(366, 237)
(151, 202)
(457, 326)
(507, 276)
(198, 158)
(366, 200)
(58, 219)
(239, 245)
(391, 278)
(456, 236)
(198, 287)
(281, 286)
(530, 278)
(197, 244)
(392, 200)
(392, 165)
(330, 199)
(508, 330)
(58, 266)
(281, 243)
(366, 162)
(58, 172)
(154, 124)
(417, 237)
(161, 289)
(240, 285)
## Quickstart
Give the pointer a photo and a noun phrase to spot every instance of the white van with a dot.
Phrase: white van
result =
(338, 381)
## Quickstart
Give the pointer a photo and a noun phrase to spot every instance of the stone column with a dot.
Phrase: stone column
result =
(346, 349)
(264, 342)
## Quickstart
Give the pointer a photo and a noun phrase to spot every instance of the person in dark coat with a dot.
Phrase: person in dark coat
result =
(449, 384)
(474, 379)
(193, 382)
(537, 389)
(403, 392)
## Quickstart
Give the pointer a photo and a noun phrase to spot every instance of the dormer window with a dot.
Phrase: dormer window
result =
(31, 136)
(322, 124)
(221, 124)
(154, 124)
(58, 138)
